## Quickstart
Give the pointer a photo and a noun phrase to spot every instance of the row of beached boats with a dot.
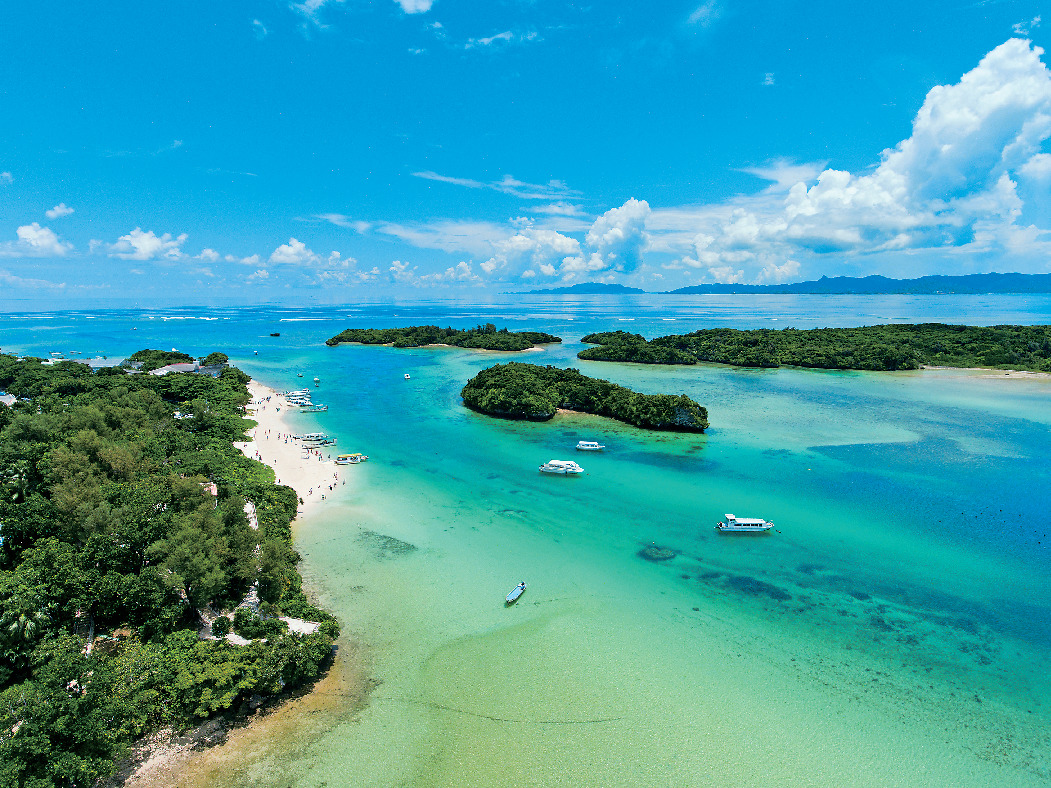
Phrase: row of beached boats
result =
(303, 401)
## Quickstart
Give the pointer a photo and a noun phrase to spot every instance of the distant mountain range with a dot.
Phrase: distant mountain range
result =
(586, 288)
(843, 285)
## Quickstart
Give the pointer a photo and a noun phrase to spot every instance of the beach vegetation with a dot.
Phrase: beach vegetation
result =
(879, 348)
(530, 391)
(481, 337)
(118, 523)
(155, 359)
(214, 359)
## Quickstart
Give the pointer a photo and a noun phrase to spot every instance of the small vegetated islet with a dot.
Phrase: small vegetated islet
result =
(530, 391)
(483, 337)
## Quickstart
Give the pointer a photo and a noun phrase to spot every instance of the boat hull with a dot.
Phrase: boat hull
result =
(515, 595)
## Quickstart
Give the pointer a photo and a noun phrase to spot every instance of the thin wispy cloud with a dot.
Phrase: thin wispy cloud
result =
(6, 177)
(259, 29)
(23, 283)
(1025, 28)
(310, 11)
(415, 6)
(342, 220)
(559, 209)
(552, 190)
(506, 37)
(705, 14)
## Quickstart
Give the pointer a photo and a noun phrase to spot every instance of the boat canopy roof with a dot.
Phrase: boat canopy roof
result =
(744, 520)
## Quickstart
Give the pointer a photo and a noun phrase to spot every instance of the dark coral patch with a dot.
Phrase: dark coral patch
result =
(755, 587)
(657, 553)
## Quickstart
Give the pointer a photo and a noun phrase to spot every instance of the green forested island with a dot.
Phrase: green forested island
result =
(529, 391)
(888, 347)
(118, 523)
(486, 337)
(147, 360)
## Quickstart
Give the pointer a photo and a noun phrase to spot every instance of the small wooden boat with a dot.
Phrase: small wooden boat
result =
(516, 593)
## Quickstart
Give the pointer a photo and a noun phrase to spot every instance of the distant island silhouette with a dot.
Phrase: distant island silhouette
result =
(586, 288)
(841, 285)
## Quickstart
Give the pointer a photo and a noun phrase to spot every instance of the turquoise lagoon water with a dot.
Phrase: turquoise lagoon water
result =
(895, 631)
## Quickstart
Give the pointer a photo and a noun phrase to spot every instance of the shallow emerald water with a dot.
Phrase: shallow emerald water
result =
(894, 631)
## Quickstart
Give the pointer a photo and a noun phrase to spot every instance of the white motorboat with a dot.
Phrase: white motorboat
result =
(516, 593)
(351, 459)
(590, 446)
(735, 524)
(408, 376)
(563, 467)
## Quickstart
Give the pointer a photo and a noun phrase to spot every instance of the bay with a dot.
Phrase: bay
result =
(895, 631)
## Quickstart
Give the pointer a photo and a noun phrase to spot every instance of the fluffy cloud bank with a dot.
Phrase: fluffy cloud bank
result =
(972, 176)
(35, 241)
(139, 245)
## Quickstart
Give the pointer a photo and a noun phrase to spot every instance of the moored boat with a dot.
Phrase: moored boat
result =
(516, 593)
(590, 446)
(351, 459)
(735, 524)
(563, 467)
(408, 376)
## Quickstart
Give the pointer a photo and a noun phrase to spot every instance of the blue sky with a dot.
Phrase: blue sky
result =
(332, 150)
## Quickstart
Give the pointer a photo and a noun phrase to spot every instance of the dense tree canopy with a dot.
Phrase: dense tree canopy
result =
(485, 337)
(528, 391)
(154, 359)
(887, 347)
(108, 526)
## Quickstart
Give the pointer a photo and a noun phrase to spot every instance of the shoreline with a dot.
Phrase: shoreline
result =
(167, 759)
(532, 349)
(312, 476)
(1024, 374)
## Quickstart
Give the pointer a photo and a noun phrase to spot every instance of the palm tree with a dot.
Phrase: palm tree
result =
(16, 481)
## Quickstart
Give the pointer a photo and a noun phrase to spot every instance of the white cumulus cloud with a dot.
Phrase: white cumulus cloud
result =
(139, 245)
(527, 249)
(58, 211)
(616, 242)
(971, 176)
(415, 6)
(35, 241)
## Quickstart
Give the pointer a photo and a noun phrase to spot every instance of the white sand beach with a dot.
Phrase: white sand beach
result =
(313, 476)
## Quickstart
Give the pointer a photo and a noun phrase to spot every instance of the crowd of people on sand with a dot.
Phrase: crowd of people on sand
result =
(267, 434)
